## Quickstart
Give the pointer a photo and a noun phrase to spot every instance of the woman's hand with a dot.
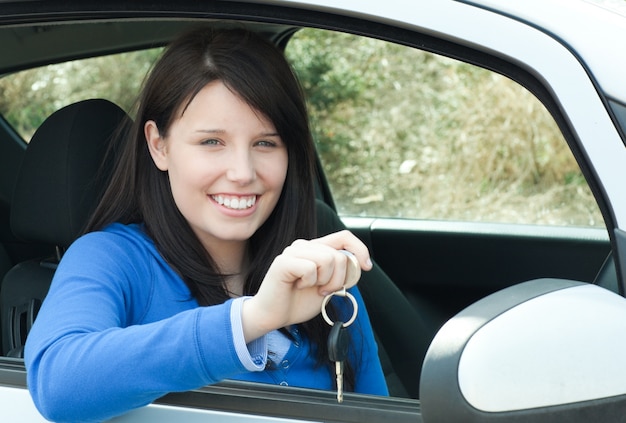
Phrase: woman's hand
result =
(298, 280)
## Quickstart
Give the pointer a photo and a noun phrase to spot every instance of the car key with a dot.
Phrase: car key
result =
(338, 339)
(338, 343)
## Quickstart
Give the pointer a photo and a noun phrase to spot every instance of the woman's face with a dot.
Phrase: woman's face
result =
(226, 165)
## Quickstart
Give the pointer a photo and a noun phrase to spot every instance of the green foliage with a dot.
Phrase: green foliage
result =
(326, 77)
(330, 83)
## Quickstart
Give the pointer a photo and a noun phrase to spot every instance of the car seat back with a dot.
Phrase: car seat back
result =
(5, 261)
(60, 180)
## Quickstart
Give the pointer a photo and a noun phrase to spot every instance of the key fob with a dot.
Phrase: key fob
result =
(338, 342)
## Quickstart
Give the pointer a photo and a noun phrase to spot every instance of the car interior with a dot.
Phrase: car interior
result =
(423, 275)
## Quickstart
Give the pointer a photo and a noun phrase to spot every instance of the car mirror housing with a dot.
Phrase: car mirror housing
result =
(547, 350)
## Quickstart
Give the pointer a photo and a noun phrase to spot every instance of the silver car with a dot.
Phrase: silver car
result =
(476, 147)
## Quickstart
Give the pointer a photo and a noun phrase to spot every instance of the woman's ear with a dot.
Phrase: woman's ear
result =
(156, 145)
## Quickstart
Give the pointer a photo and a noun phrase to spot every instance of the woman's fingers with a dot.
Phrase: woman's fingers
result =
(325, 265)
(346, 240)
(338, 258)
(295, 270)
(353, 269)
(298, 280)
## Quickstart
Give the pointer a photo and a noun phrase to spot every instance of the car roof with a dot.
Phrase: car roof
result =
(592, 29)
(595, 30)
(26, 46)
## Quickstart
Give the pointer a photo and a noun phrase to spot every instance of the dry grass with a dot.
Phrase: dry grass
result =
(433, 138)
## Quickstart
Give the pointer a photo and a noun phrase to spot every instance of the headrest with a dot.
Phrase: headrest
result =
(63, 175)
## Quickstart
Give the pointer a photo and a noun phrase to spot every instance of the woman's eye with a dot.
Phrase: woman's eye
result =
(266, 143)
(210, 142)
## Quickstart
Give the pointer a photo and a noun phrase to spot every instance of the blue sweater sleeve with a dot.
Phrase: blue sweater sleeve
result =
(102, 343)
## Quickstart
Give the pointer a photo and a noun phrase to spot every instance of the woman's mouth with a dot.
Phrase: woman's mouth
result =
(235, 202)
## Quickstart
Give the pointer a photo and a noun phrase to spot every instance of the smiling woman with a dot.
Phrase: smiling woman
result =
(203, 247)
(221, 149)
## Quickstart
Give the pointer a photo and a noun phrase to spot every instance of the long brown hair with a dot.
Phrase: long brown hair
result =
(257, 71)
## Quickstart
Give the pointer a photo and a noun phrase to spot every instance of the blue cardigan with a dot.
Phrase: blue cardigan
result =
(119, 329)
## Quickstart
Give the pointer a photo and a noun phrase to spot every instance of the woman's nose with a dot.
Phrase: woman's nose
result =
(241, 168)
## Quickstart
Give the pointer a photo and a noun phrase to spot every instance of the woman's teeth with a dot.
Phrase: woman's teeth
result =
(236, 203)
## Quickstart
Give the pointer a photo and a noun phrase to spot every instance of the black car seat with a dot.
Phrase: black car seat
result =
(5, 261)
(59, 182)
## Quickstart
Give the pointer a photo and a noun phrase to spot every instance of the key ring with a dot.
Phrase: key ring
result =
(341, 293)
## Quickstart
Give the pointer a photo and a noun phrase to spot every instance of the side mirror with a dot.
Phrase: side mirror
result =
(547, 350)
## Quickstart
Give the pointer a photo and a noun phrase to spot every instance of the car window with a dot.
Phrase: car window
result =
(400, 132)
(409, 134)
(32, 95)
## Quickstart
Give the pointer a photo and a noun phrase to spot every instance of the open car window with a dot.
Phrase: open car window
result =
(429, 137)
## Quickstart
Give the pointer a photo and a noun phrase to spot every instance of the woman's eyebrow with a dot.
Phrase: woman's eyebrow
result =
(222, 131)
(211, 131)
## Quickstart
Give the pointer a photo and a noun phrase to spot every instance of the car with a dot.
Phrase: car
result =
(477, 147)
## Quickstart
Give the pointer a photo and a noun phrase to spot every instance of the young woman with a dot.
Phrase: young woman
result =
(201, 262)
